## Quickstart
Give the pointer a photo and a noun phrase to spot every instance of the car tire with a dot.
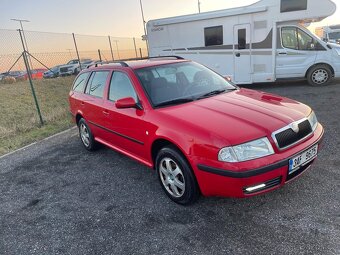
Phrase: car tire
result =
(86, 136)
(176, 177)
(319, 75)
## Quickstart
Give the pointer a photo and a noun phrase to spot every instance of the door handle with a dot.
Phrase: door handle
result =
(106, 112)
(82, 103)
(282, 53)
(238, 54)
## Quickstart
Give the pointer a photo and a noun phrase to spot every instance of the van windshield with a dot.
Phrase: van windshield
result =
(334, 35)
(181, 82)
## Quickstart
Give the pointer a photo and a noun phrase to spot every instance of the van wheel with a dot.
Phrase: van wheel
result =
(86, 136)
(319, 75)
(176, 176)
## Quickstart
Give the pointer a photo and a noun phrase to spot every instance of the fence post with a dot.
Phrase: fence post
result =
(140, 52)
(134, 43)
(113, 59)
(30, 79)
(100, 56)
(75, 45)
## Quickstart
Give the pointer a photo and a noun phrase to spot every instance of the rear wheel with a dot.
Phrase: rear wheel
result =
(176, 176)
(319, 75)
(86, 136)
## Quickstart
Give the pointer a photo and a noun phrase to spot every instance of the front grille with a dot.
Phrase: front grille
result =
(268, 184)
(288, 137)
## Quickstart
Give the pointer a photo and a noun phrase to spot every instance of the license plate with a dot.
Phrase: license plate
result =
(302, 159)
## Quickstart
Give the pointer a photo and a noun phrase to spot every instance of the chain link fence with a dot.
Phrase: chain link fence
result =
(52, 61)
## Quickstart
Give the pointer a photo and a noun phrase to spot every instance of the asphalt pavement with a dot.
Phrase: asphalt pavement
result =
(57, 198)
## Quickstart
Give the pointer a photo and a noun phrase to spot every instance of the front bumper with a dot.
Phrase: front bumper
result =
(217, 181)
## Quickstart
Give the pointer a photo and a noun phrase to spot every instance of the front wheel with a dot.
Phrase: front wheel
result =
(176, 176)
(319, 75)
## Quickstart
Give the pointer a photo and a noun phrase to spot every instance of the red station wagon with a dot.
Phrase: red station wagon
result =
(202, 134)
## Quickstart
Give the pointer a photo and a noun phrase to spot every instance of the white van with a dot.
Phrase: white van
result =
(329, 33)
(262, 42)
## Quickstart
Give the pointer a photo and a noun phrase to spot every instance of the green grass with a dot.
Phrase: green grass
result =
(19, 121)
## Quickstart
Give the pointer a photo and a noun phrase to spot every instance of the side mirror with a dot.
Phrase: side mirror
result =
(127, 102)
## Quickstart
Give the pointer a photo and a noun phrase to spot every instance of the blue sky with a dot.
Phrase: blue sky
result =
(106, 17)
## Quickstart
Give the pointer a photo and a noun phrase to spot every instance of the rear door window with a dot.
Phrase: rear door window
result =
(97, 83)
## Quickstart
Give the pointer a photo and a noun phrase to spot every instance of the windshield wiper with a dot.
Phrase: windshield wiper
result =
(176, 101)
(213, 93)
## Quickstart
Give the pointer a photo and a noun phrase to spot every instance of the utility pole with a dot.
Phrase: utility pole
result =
(144, 27)
(199, 6)
(24, 37)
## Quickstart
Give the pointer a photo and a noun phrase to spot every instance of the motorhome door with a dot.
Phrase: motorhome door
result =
(242, 54)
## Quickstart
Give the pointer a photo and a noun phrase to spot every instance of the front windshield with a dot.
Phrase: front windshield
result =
(181, 82)
(334, 35)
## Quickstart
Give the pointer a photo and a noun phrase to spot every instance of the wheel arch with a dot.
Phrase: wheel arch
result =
(79, 116)
(320, 64)
(160, 143)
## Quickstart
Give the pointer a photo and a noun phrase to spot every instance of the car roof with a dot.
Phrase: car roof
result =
(137, 64)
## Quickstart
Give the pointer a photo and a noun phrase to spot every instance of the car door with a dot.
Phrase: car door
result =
(128, 130)
(298, 52)
(92, 103)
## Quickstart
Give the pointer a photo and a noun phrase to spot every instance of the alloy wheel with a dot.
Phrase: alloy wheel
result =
(84, 134)
(172, 177)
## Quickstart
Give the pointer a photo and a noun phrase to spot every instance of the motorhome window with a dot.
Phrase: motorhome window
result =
(294, 38)
(293, 5)
(213, 36)
(241, 39)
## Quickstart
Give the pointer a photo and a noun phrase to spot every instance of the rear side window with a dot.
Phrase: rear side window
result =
(213, 36)
(80, 82)
(97, 83)
(121, 87)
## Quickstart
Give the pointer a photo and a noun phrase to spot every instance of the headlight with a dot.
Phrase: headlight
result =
(247, 151)
(313, 120)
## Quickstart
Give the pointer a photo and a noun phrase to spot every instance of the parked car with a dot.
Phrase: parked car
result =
(52, 73)
(72, 67)
(36, 74)
(202, 134)
(14, 74)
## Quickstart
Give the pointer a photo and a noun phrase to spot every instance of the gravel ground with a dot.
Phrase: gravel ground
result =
(57, 198)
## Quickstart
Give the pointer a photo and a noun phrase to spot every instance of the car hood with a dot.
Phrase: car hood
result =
(238, 116)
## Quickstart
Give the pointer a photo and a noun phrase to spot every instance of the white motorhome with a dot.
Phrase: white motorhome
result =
(262, 42)
(329, 33)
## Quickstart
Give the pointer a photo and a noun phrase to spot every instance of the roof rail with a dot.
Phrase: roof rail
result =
(170, 56)
(122, 63)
